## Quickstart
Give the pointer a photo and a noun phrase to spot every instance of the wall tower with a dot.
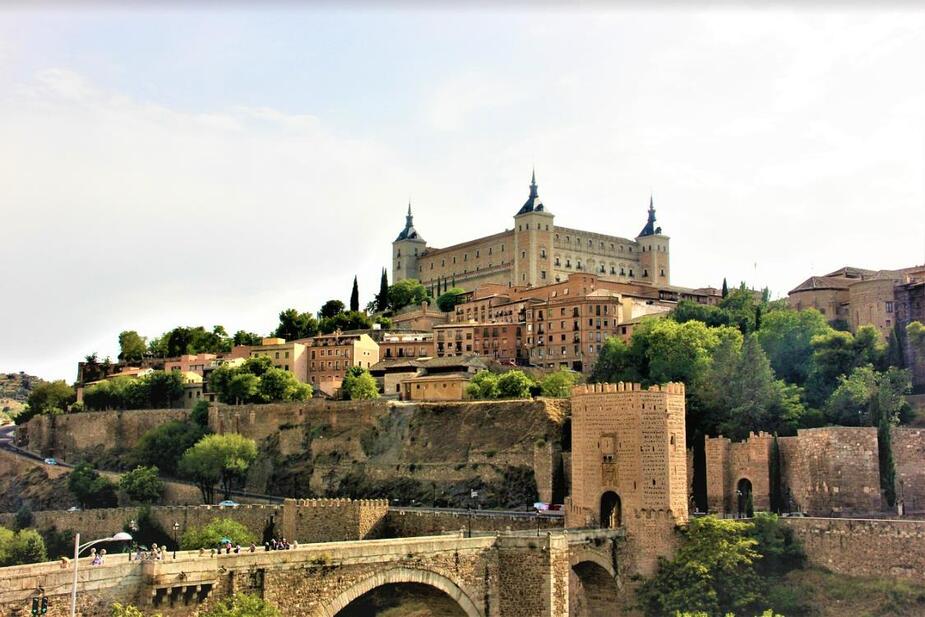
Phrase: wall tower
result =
(654, 258)
(406, 249)
(533, 237)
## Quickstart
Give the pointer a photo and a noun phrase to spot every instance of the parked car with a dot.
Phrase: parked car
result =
(51, 461)
(229, 504)
(73, 509)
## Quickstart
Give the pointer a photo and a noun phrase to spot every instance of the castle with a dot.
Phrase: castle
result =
(534, 252)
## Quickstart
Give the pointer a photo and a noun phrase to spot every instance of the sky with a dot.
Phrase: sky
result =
(198, 166)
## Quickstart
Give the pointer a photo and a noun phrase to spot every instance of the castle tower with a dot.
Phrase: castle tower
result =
(406, 249)
(629, 464)
(533, 234)
(654, 258)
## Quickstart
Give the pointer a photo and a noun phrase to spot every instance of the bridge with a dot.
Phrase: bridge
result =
(516, 574)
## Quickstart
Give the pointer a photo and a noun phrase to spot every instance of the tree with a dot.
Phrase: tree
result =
(22, 547)
(218, 458)
(165, 444)
(294, 325)
(352, 320)
(359, 384)
(163, 389)
(142, 484)
(212, 534)
(243, 605)
(355, 296)
(713, 571)
(382, 298)
(786, 336)
(725, 291)
(613, 363)
(132, 347)
(48, 397)
(448, 301)
(514, 384)
(407, 292)
(331, 308)
(127, 610)
(24, 517)
(559, 384)
(90, 489)
(243, 388)
(483, 386)
(277, 384)
(242, 337)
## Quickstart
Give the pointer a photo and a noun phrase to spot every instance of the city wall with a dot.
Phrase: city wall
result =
(304, 520)
(409, 522)
(734, 465)
(864, 547)
(909, 460)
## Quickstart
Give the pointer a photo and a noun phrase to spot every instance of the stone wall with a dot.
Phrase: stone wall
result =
(909, 459)
(68, 435)
(864, 547)
(730, 465)
(831, 471)
(409, 522)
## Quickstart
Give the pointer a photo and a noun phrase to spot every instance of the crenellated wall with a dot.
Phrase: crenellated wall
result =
(409, 522)
(734, 465)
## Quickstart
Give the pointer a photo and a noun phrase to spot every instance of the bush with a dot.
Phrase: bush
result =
(483, 386)
(24, 517)
(514, 384)
(211, 535)
(164, 445)
(142, 484)
(359, 385)
(558, 384)
(243, 605)
(22, 547)
(90, 489)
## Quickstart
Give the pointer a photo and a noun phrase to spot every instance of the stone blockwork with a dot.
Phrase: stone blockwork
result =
(909, 459)
(831, 471)
(408, 522)
(734, 468)
(68, 435)
(304, 520)
(629, 464)
(864, 547)
(516, 575)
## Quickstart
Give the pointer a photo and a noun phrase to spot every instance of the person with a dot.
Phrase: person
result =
(266, 546)
(64, 563)
(228, 548)
(95, 558)
(253, 547)
(237, 548)
(211, 552)
(102, 556)
(295, 544)
(202, 551)
(155, 552)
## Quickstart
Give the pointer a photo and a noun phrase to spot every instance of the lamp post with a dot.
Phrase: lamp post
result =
(176, 529)
(78, 548)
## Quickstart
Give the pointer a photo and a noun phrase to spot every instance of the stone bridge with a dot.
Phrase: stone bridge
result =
(516, 574)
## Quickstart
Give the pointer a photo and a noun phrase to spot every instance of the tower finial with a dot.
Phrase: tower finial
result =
(409, 206)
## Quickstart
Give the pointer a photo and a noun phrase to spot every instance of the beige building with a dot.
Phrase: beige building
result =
(330, 355)
(193, 363)
(289, 356)
(629, 463)
(406, 345)
(534, 252)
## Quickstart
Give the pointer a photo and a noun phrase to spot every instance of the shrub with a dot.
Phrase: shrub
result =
(211, 535)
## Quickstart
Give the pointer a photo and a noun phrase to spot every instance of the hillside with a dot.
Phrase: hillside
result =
(14, 391)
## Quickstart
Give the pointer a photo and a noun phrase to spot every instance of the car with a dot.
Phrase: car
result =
(229, 503)
(51, 461)
(73, 509)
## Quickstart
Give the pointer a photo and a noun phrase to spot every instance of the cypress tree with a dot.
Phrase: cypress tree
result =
(725, 287)
(776, 493)
(382, 300)
(757, 318)
(887, 466)
(355, 296)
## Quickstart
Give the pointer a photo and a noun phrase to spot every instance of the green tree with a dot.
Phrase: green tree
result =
(382, 298)
(164, 445)
(132, 347)
(211, 535)
(90, 489)
(243, 605)
(199, 415)
(242, 337)
(514, 384)
(355, 296)
(448, 301)
(127, 610)
(725, 291)
(786, 336)
(242, 388)
(559, 384)
(294, 325)
(407, 292)
(142, 484)
(163, 389)
(218, 459)
(359, 385)
(277, 384)
(352, 320)
(22, 547)
(613, 363)
(483, 386)
(713, 571)
(50, 397)
(24, 517)
(331, 308)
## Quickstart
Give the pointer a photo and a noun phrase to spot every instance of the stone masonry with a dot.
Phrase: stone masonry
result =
(629, 464)
(732, 466)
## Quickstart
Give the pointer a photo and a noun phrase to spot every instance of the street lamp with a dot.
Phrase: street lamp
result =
(176, 529)
(78, 548)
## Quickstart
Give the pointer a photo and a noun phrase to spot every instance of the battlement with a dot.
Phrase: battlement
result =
(626, 386)
(337, 503)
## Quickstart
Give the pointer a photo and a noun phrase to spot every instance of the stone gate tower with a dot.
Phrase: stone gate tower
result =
(629, 464)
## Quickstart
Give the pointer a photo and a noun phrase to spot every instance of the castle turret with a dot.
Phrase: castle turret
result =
(533, 234)
(406, 249)
(654, 254)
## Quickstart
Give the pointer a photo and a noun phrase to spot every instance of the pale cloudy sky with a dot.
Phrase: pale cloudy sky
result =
(184, 167)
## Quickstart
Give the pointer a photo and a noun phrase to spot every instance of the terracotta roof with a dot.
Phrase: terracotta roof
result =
(823, 282)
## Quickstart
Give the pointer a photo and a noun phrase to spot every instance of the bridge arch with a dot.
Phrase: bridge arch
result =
(398, 576)
(594, 588)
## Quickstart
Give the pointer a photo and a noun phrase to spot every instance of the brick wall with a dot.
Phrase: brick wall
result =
(729, 463)
(409, 522)
(864, 547)
(909, 459)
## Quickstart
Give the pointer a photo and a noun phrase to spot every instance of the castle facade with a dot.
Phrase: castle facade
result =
(533, 253)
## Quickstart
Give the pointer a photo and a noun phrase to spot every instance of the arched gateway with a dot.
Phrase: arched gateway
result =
(399, 577)
(611, 511)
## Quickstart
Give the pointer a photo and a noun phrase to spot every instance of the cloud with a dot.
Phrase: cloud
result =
(467, 98)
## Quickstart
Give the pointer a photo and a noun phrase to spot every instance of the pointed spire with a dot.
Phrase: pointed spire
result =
(408, 233)
(533, 202)
(409, 206)
(650, 229)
